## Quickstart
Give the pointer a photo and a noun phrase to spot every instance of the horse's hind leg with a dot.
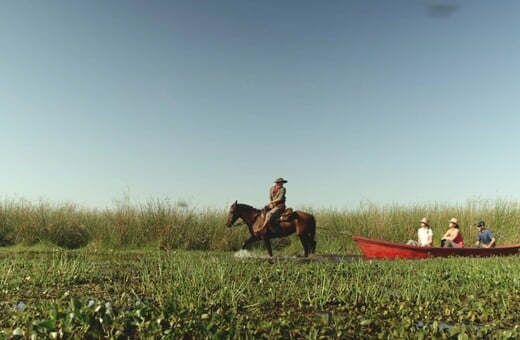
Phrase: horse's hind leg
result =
(312, 244)
(267, 243)
(305, 243)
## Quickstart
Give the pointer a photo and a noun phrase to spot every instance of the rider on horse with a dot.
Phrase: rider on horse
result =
(275, 206)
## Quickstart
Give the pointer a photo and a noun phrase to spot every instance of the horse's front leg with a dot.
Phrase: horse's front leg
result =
(267, 243)
(249, 241)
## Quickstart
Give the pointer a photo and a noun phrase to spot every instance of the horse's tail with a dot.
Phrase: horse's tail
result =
(312, 234)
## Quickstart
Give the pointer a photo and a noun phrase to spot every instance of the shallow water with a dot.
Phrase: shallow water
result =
(336, 258)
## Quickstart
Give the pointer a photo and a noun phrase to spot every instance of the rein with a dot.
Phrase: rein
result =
(254, 217)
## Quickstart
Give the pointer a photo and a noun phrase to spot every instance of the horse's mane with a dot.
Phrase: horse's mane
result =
(247, 206)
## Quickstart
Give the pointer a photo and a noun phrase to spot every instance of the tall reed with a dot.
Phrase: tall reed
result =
(163, 224)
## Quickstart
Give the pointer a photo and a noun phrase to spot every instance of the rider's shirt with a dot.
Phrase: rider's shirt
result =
(277, 192)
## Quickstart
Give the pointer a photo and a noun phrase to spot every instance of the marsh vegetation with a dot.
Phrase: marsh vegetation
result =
(164, 270)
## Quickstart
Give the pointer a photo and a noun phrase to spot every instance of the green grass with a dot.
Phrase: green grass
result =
(167, 270)
(200, 294)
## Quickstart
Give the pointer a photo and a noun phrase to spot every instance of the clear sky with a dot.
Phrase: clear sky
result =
(207, 102)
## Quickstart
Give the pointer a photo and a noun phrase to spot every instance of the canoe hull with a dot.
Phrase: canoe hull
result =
(376, 249)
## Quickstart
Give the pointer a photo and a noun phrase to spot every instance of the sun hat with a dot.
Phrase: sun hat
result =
(480, 224)
(280, 180)
(454, 221)
(425, 221)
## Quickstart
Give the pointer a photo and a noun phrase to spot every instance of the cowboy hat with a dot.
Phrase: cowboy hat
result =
(454, 221)
(425, 221)
(280, 180)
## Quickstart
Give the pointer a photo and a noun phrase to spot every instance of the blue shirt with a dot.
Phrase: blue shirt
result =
(485, 236)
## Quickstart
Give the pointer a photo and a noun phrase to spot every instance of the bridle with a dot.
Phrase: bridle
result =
(235, 217)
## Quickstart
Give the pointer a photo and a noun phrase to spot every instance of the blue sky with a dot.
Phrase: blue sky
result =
(207, 102)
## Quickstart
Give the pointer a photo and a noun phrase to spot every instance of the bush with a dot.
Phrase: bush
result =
(69, 234)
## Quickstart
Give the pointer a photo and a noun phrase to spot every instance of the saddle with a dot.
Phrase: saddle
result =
(287, 215)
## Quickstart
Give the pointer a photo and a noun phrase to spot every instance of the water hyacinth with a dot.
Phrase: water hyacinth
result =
(21, 306)
(199, 295)
(136, 279)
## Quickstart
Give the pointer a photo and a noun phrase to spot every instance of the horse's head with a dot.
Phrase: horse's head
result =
(232, 215)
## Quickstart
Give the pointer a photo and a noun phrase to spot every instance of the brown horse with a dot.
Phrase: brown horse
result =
(301, 223)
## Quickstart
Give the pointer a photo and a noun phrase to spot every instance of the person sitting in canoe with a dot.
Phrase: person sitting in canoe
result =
(453, 237)
(486, 238)
(424, 235)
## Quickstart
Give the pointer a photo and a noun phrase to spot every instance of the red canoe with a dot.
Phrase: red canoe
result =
(375, 249)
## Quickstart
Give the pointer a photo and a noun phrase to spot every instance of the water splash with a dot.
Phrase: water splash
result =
(243, 253)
